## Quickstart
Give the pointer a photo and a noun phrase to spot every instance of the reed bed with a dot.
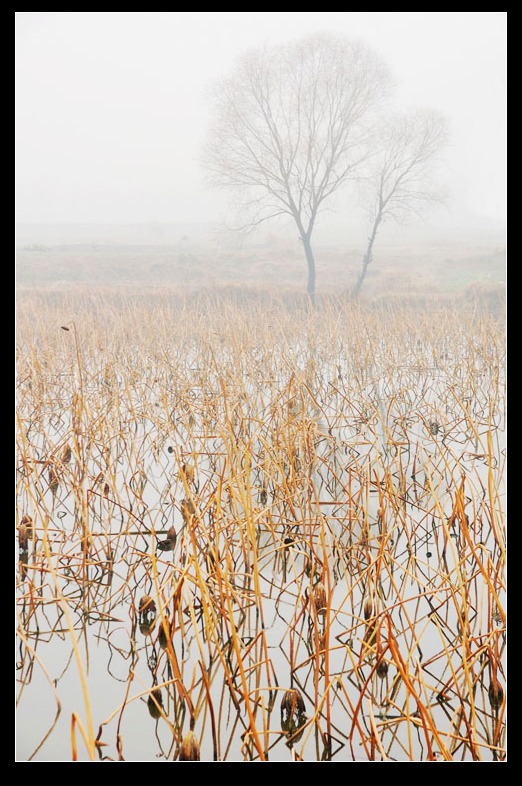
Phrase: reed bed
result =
(252, 531)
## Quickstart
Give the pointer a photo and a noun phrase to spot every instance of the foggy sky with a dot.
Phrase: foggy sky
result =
(111, 110)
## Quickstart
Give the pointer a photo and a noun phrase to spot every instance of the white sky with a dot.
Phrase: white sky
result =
(110, 108)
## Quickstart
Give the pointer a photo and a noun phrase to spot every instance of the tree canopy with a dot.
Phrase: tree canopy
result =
(291, 125)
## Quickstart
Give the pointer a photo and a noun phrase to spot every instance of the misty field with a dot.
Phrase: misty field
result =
(249, 530)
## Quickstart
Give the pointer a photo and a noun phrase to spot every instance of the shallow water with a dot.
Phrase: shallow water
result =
(385, 485)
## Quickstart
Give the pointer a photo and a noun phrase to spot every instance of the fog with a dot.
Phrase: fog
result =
(111, 110)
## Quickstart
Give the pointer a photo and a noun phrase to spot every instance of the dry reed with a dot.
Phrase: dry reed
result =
(236, 499)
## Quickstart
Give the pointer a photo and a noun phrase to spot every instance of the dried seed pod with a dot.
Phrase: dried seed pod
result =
(319, 598)
(370, 636)
(293, 715)
(188, 470)
(212, 558)
(495, 693)
(54, 480)
(165, 633)
(147, 605)
(190, 750)
(295, 729)
(23, 562)
(292, 704)
(155, 703)
(434, 427)
(312, 568)
(146, 626)
(187, 510)
(169, 544)
(368, 609)
(293, 407)
(25, 532)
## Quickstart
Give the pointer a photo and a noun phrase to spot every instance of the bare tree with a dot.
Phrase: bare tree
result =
(402, 180)
(288, 129)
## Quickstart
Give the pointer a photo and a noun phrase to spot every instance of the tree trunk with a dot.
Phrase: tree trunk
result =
(367, 258)
(310, 261)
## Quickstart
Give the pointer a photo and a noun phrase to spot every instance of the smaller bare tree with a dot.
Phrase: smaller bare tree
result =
(402, 178)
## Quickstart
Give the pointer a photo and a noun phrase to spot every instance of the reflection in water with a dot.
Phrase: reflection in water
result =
(197, 544)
